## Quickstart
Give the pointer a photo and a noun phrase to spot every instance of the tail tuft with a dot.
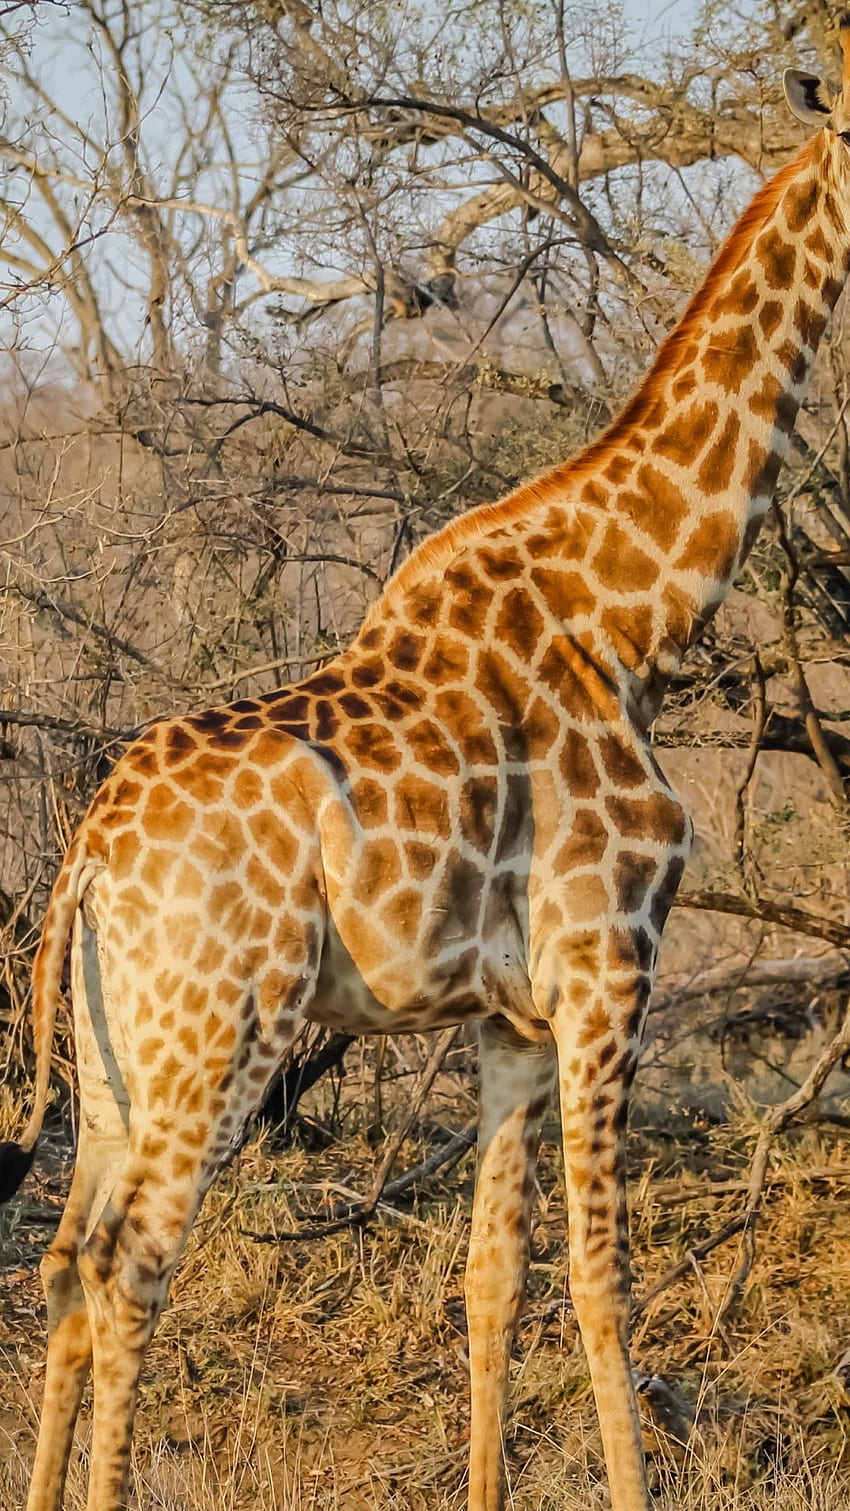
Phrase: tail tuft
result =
(14, 1164)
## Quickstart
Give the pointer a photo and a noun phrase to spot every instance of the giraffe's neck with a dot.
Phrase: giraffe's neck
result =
(680, 483)
(629, 547)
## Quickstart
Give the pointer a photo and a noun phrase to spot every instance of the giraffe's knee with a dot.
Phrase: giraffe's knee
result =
(60, 1281)
(124, 1274)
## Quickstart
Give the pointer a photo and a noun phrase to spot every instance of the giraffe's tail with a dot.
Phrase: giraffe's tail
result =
(16, 1158)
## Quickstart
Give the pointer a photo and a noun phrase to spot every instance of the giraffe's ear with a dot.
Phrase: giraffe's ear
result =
(807, 96)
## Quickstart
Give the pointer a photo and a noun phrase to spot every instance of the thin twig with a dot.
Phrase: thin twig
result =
(358, 1213)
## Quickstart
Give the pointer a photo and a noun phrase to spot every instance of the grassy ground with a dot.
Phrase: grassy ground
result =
(332, 1372)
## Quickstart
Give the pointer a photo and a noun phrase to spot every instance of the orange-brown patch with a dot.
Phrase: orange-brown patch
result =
(369, 800)
(778, 258)
(542, 727)
(269, 746)
(770, 315)
(681, 618)
(729, 356)
(794, 360)
(157, 864)
(447, 661)
(633, 876)
(620, 562)
(657, 817)
(585, 898)
(187, 1038)
(586, 844)
(629, 631)
(519, 623)
(378, 869)
(577, 765)
(800, 204)
(263, 884)
(431, 748)
(503, 689)
(355, 706)
(658, 508)
(582, 952)
(595, 1025)
(189, 882)
(718, 465)
(248, 788)
(763, 400)
(222, 899)
(566, 594)
(368, 672)
(810, 322)
(373, 636)
(741, 297)
(325, 721)
(421, 806)
(461, 714)
(421, 604)
(500, 566)
(817, 244)
(178, 744)
(683, 438)
(479, 798)
(762, 470)
(405, 650)
(595, 493)
(621, 762)
(468, 608)
(149, 1051)
(181, 934)
(619, 468)
(165, 815)
(373, 747)
(420, 858)
(402, 914)
(564, 535)
(275, 841)
(125, 793)
(712, 547)
(684, 385)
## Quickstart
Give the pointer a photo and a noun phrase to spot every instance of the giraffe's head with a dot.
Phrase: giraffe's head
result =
(815, 103)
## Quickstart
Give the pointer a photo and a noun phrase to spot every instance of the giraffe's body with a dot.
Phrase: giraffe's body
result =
(459, 817)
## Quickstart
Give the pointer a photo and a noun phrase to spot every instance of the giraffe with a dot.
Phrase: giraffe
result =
(460, 817)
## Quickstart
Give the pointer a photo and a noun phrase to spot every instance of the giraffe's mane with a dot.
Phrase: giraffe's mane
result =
(439, 549)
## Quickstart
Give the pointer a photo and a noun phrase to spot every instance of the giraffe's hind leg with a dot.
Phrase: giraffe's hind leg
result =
(101, 1148)
(516, 1080)
(69, 1347)
(125, 1268)
(129, 1258)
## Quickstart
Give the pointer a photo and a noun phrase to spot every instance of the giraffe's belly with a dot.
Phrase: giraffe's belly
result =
(359, 990)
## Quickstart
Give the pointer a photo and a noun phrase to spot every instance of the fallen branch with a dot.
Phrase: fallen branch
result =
(685, 1266)
(819, 970)
(672, 1193)
(797, 919)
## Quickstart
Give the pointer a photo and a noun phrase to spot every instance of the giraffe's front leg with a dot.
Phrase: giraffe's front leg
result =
(597, 1031)
(515, 1084)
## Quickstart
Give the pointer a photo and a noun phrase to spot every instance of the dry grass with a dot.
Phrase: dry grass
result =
(332, 1373)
